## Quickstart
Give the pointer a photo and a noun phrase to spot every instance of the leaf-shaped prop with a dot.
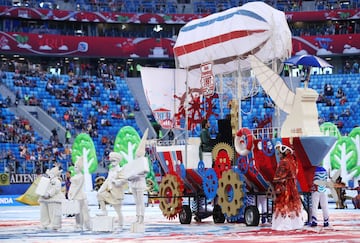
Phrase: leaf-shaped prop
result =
(355, 137)
(344, 155)
(126, 135)
(84, 146)
(355, 131)
(356, 170)
(330, 129)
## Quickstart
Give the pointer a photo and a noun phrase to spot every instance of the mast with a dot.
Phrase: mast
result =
(238, 94)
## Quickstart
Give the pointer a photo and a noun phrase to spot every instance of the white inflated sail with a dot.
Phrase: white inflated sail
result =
(227, 38)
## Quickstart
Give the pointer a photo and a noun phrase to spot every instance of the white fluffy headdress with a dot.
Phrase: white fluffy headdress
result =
(114, 156)
(54, 172)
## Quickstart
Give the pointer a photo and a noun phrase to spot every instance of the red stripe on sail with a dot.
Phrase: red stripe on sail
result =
(198, 45)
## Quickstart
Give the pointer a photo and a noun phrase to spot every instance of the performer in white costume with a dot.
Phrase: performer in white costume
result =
(138, 187)
(318, 195)
(77, 192)
(135, 171)
(50, 202)
(112, 190)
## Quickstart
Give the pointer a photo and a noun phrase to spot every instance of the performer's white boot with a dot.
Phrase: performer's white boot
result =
(140, 219)
(78, 222)
(103, 211)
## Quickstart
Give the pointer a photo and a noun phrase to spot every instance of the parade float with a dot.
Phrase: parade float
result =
(218, 58)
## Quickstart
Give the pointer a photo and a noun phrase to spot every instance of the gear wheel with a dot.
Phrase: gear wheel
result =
(210, 184)
(223, 154)
(170, 201)
(223, 146)
(267, 147)
(231, 193)
(243, 164)
(201, 168)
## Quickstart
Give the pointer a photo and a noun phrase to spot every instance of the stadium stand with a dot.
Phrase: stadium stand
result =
(100, 102)
(345, 115)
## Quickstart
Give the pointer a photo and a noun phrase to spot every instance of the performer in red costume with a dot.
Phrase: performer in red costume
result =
(287, 210)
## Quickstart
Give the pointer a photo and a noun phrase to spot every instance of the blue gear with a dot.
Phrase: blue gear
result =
(243, 164)
(210, 183)
(267, 147)
(201, 168)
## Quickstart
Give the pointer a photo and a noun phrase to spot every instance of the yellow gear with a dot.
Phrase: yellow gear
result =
(230, 180)
(170, 201)
(223, 146)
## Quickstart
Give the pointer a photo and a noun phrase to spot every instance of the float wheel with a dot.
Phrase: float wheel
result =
(185, 215)
(218, 216)
(252, 216)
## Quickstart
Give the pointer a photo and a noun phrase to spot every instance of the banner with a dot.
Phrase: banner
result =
(9, 200)
(157, 18)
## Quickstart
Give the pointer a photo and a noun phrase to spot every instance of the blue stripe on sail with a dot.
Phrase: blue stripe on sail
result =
(223, 18)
